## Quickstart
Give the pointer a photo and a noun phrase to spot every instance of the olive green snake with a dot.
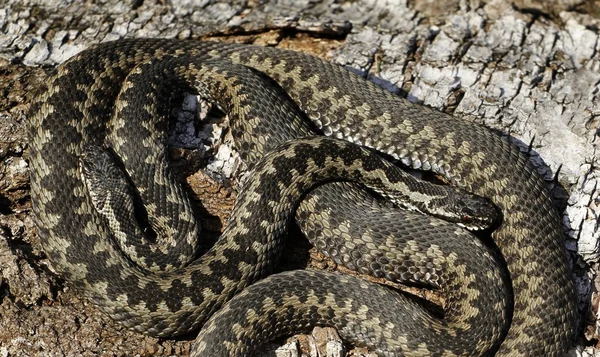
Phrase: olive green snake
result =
(80, 112)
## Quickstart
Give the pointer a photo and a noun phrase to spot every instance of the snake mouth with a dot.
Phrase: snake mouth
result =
(473, 227)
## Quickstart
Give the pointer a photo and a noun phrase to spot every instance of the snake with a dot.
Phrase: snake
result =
(82, 136)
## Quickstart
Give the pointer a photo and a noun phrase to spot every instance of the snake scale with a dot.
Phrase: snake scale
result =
(83, 107)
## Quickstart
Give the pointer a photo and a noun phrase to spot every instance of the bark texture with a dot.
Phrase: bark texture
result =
(528, 69)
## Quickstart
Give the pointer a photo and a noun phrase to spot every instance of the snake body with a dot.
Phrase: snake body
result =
(160, 298)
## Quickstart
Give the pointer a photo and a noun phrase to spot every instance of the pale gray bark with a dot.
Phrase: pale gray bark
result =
(531, 71)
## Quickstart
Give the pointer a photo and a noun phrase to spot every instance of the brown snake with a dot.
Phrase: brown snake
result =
(75, 110)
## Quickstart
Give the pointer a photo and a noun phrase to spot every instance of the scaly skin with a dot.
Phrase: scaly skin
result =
(76, 107)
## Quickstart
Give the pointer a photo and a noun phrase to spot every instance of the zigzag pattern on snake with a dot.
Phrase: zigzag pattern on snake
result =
(165, 297)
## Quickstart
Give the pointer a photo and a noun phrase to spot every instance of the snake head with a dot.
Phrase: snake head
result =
(468, 210)
(106, 182)
(479, 214)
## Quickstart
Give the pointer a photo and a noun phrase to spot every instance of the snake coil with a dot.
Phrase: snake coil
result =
(84, 104)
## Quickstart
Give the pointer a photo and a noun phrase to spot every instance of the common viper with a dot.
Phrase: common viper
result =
(80, 112)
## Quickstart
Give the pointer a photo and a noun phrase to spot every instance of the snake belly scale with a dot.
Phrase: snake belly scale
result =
(78, 102)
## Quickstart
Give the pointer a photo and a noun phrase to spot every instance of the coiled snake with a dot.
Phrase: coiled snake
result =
(86, 106)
